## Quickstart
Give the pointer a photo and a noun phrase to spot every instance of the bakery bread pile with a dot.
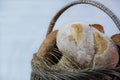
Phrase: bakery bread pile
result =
(80, 46)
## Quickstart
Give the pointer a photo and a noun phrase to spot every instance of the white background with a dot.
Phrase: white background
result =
(23, 26)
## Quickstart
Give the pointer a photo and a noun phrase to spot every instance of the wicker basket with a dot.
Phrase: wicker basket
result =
(41, 72)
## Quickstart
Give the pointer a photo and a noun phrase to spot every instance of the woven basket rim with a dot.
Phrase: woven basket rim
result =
(107, 74)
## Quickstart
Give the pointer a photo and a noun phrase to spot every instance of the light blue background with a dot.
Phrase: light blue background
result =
(23, 26)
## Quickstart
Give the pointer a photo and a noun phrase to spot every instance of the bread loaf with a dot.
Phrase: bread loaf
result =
(87, 46)
(48, 49)
(116, 38)
(106, 55)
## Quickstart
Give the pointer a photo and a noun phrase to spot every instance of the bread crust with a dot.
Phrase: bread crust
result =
(116, 38)
(48, 44)
(48, 49)
(98, 27)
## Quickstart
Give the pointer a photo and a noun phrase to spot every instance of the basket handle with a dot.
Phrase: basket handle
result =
(93, 3)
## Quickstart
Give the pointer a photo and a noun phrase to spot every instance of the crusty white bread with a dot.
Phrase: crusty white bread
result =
(72, 41)
(87, 46)
(106, 52)
(82, 46)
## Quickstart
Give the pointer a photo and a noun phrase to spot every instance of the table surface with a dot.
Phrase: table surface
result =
(23, 26)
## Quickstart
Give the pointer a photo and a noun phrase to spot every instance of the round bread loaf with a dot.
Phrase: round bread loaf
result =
(87, 46)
